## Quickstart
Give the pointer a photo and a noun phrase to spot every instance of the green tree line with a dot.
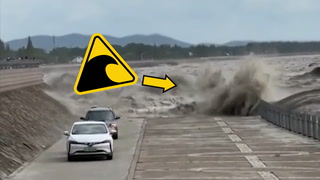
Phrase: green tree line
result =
(135, 51)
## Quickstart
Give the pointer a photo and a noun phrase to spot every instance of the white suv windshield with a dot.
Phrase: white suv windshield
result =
(100, 115)
(89, 129)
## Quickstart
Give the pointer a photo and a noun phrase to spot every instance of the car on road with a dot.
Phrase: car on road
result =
(104, 114)
(89, 138)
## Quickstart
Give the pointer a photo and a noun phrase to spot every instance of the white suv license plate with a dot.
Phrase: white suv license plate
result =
(90, 149)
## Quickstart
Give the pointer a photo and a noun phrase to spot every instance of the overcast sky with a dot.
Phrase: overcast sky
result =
(194, 21)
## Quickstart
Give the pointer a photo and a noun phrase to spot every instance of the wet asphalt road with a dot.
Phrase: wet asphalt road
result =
(199, 147)
(53, 164)
(191, 148)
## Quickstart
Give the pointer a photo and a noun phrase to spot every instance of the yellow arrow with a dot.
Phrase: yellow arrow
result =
(163, 83)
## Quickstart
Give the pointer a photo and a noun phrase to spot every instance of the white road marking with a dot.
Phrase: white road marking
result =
(195, 162)
(224, 154)
(255, 161)
(220, 161)
(208, 177)
(243, 148)
(217, 119)
(221, 123)
(234, 138)
(227, 130)
(268, 176)
(229, 169)
(224, 177)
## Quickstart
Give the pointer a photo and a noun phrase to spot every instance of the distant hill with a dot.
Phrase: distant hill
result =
(80, 40)
(230, 44)
(236, 43)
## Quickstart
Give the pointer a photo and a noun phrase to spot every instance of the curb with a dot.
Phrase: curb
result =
(136, 154)
(22, 167)
(27, 163)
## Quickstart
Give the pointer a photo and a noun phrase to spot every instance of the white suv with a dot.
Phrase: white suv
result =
(89, 138)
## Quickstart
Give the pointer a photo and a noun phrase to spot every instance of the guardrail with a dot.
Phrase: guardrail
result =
(18, 64)
(300, 123)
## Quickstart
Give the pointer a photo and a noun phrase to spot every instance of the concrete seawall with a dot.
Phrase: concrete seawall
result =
(16, 78)
(11, 79)
(30, 122)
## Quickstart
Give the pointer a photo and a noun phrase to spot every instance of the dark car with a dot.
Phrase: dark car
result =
(105, 114)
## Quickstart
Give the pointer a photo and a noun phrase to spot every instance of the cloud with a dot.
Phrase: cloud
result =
(194, 21)
(284, 6)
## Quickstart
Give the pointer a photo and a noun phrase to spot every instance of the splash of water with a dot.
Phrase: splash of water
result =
(231, 88)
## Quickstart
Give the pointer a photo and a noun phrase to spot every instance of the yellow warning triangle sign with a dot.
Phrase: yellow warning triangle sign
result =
(102, 68)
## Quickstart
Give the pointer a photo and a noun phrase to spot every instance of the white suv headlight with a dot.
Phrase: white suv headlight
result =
(106, 141)
(74, 142)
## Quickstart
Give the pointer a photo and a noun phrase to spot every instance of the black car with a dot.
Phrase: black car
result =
(105, 114)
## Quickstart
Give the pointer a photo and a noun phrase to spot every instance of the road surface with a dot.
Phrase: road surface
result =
(194, 148)
(53, 164)
(191, 148)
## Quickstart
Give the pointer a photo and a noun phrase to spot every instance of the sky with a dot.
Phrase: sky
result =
(192, 21)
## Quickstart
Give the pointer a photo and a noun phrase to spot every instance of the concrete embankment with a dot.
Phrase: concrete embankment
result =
(30, 122)
(18, 78)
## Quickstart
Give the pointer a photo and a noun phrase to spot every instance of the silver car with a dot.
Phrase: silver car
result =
(89, 138)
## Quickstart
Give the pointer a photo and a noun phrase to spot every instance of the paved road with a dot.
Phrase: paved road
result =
(192, 148)
(196, 148)
(53, 164)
